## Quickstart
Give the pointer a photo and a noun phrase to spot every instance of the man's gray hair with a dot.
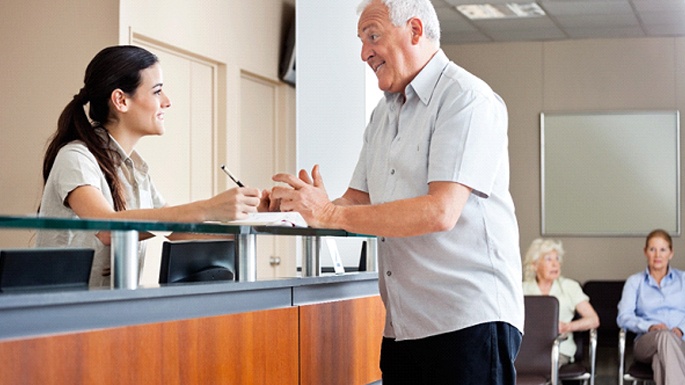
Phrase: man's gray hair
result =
(403, 10)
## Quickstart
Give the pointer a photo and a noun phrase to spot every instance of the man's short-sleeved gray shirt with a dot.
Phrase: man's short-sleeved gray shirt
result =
(451, 127)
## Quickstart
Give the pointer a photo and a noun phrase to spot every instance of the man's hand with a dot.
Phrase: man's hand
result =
(267, 204)
(306, 195)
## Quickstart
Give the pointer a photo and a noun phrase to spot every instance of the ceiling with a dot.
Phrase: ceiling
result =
(565, 19)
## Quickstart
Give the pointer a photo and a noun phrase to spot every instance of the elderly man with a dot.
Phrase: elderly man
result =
(432, 182)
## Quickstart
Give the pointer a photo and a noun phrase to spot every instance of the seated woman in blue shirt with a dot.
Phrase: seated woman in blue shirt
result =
(653, 307)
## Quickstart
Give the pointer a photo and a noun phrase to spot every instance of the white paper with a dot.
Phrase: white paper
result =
(288, 219)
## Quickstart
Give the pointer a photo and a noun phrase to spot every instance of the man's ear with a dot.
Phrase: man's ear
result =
(119, 100)
(416, 26)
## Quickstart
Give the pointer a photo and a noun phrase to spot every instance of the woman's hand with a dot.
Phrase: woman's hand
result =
(235, 203)
(657, 327)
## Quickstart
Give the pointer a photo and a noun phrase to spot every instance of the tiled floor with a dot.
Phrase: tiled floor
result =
(607, 365)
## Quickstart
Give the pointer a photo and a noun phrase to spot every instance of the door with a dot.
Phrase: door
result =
(183, 162)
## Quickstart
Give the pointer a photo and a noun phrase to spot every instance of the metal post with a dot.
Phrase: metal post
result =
(124, 259)
(311, 263)
(372, 254)
(247, 257)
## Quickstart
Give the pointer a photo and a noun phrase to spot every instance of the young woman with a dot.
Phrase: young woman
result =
(542, 276)
(91, 169)
(653, 306)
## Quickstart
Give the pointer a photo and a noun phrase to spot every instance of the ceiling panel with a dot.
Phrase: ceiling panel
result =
(566, 19)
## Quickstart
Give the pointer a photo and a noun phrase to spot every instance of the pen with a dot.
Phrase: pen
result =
(239, 183)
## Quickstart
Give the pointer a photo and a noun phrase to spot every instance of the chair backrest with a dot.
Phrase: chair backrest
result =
(540, 329)
(604, 298)
(201, 260)
(39, 269)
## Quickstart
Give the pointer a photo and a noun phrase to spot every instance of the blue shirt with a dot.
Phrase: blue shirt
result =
(452, 127)
(645, 303)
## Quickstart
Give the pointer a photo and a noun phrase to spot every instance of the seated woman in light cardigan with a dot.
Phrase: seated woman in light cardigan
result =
(542, 276)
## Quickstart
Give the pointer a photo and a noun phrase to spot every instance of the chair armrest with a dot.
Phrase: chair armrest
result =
(555, 357)
(561, 337)
(593, 355)
(621, 354)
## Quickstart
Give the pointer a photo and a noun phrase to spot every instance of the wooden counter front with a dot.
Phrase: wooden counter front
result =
(310, 331)
(250, 348)
(340, 342)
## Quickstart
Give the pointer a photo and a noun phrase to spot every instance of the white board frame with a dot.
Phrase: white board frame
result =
(614, 173)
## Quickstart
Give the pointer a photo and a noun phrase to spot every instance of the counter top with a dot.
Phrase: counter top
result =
(36, 222)
(33, 314)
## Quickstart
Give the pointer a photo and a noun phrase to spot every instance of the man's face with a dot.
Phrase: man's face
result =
(386, 48)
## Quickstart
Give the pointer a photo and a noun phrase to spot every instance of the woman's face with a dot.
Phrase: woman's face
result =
(145, 115)
(548, 267)
(658, 253)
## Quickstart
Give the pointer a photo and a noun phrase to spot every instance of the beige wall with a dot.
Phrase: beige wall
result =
(582, 75)
(44, 49)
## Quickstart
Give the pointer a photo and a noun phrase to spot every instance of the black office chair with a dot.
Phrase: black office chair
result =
(538, 360)
(604, 297)
(45, 269)
(196, 261)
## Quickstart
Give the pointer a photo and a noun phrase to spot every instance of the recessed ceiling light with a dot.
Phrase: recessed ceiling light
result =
(500, 11)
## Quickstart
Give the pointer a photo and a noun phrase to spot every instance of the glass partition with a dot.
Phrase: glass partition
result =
(125, 268)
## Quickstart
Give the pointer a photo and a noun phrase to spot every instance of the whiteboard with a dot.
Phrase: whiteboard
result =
(610, 173)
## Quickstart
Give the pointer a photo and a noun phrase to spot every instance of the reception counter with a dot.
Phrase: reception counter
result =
(314, 330)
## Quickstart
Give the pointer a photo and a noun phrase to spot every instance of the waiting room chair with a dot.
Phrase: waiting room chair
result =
(538, 359)
(604, 298)
(579, 370)
(638, 372)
